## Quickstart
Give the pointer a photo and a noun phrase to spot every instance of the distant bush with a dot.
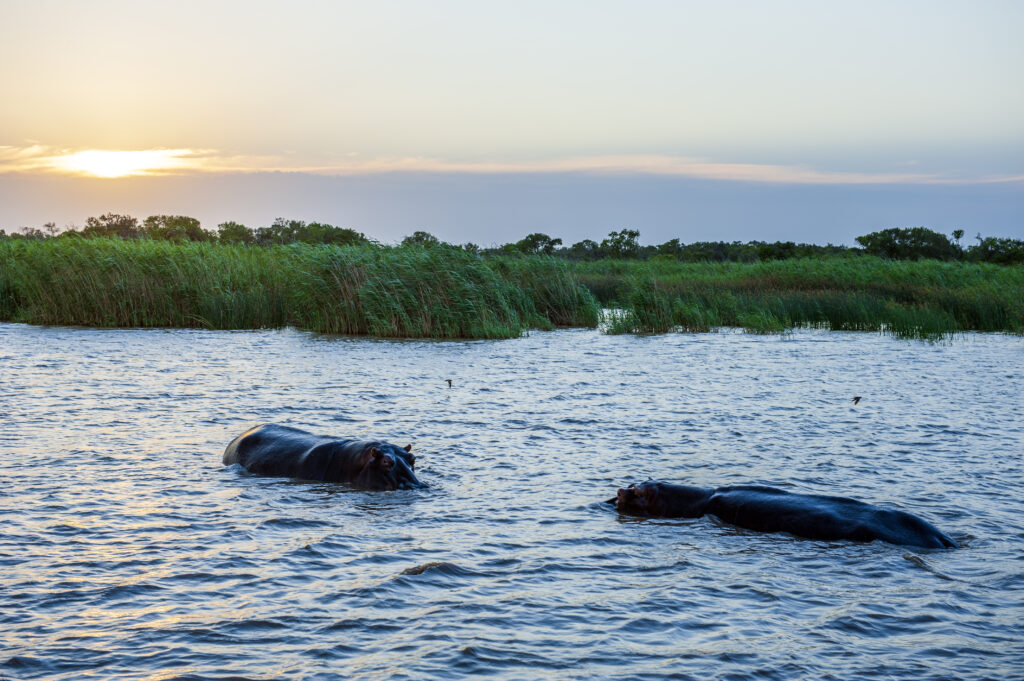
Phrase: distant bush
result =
(296, 231)
(235, 233)
(587, 249)
(421, 239)
(175, 228)
(916, 243)
(536, 244)
(997, 250)
(622, 244)
(112, 225)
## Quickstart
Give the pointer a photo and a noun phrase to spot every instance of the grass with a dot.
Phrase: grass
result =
(406, 293)
(442, 292)
(390, 292)
(102, 282)
(923, 299)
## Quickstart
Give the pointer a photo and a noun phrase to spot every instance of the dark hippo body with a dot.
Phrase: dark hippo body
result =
(767, 509)
(286, 452)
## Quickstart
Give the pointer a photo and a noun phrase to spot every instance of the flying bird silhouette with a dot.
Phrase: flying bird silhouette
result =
(449, 382)
(856, 399)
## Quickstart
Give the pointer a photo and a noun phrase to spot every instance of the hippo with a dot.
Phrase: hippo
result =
(767, 509)
(288, 452)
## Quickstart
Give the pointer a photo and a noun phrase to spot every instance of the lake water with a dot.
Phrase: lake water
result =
(127, 551)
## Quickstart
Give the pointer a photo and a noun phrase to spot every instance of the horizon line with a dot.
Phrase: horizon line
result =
(164, 162)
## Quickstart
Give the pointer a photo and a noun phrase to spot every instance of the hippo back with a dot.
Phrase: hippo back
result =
(283, 451)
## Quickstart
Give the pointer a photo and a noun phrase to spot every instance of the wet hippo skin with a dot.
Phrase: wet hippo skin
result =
(767, 509)
(283, 451)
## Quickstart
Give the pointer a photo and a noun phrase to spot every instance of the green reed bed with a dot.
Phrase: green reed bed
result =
(443, 292)
(102, 282)
(552, 287)
(405, 293)
(925, 299)
(392, 292)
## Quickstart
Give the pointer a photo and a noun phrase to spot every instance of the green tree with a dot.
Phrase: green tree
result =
(588, 249)
(175, 228)
(1002, 251)
(622, 244)
(671, 248)
(322, 233)
(537, 244)
(909, 244)
(421, 239)
(32, 233)
(235, 233)
(280, 232)
(112, 225)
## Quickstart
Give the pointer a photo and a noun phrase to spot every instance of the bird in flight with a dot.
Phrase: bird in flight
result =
(855, 399)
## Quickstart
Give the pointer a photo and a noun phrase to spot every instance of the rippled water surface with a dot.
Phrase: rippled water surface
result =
(128, 551)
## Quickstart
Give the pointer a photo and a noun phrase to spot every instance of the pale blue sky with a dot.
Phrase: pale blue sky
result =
(893, 94)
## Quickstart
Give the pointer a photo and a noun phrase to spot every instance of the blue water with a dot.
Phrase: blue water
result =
(127, 551)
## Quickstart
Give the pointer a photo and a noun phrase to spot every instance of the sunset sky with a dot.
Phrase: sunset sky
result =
(479, 121)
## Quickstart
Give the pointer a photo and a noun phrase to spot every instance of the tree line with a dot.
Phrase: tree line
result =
(915, 243)
(183, 228)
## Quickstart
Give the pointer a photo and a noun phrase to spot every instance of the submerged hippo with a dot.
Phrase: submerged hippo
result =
(767, 509)
(287, 452)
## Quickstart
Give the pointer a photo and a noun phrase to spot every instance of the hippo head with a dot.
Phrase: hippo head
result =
(653, 498)
(635, 499)
(387, 467)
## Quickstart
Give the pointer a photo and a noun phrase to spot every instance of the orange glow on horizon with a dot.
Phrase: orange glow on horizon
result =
(99, 163)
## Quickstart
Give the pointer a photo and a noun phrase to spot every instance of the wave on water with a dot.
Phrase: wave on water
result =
(129, 552)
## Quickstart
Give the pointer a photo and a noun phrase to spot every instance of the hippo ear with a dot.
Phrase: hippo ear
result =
(408, 448)
(374, 453)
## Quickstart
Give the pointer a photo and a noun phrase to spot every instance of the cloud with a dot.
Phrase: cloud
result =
(37, 158)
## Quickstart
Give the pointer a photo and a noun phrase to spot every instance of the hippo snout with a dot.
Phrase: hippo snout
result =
(631, 499)
(626, 498)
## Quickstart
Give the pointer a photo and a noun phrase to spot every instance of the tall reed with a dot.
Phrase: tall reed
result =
(553, 288)
(105, 282)
(404, 292)
(925, 299)
(438, 292)
(445, 292)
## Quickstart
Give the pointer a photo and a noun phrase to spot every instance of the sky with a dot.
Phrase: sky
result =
(480, 121)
